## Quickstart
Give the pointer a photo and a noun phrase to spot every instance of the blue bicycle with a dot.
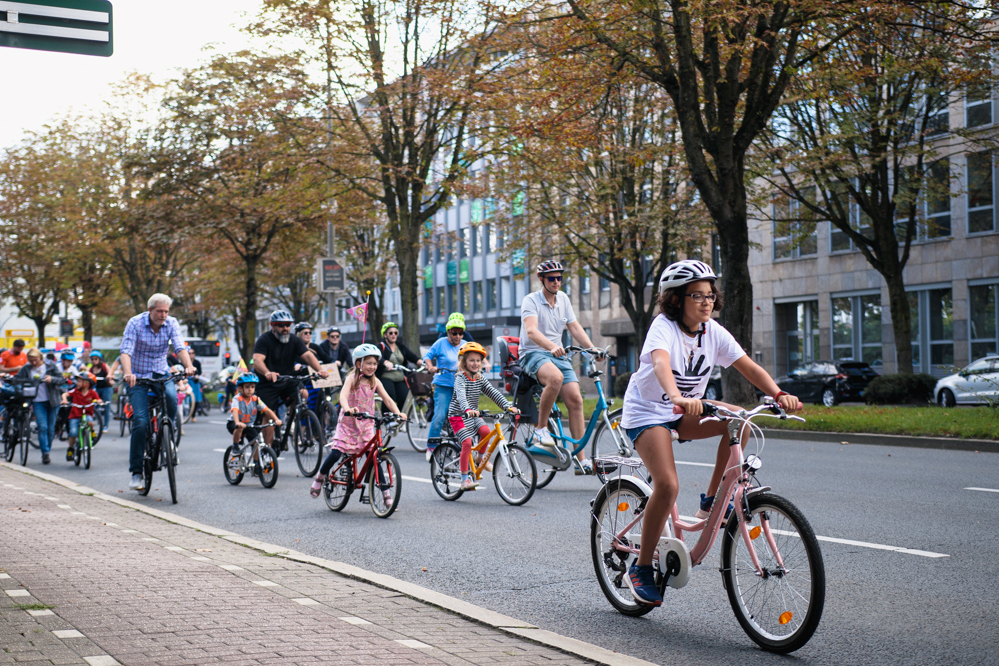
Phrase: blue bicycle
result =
(603, 432)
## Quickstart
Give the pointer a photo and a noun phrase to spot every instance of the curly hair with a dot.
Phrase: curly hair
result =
(671, 301)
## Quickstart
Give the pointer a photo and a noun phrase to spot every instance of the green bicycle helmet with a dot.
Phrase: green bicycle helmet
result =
(455, 320)
(387, 325)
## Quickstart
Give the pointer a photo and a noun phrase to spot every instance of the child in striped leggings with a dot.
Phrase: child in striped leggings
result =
(463, 411)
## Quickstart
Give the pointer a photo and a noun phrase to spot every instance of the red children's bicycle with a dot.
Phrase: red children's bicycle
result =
(374, 470)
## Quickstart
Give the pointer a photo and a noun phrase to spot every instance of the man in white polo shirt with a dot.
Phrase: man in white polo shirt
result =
(544, 316)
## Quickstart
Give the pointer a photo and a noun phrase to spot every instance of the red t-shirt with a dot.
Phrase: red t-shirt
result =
(8, 360)
(80, 400)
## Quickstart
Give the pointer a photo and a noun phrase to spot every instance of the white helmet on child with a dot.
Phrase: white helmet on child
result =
(364, 351)
(684, 272)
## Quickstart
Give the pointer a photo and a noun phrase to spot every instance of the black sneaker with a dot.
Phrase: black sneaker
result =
(69, 456)
(705, 509)
(46, 459)
(642, 581)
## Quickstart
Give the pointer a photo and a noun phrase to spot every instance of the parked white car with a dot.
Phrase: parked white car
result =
(974, 385)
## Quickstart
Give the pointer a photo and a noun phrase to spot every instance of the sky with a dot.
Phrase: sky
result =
(150, 36)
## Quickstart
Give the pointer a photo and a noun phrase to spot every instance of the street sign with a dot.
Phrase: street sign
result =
(66, 26)
(65, 328)
(331, 276)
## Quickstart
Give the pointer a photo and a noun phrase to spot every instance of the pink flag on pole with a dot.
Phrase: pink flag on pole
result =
(360, 312)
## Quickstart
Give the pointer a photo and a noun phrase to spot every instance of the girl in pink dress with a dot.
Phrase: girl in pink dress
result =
(357, 395)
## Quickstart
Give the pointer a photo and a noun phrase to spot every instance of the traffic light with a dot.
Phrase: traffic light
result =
(228, 357)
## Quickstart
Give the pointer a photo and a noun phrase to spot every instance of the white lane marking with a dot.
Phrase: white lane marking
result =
(17, 593)
(130, 531)
(64, 506)
(219, 422)
(102, 660)
(67, 633)
(219, 450)
(40, 613)
(984, 490)
(354, 620)
(305, 601)
(202, 559)
(265, 583)
(3, 575)
(230, 567)
(850, 542)
(176, 549)
(416, 478)
(681, 462)
(411, 643)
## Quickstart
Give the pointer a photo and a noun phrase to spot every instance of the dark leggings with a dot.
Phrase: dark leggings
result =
(398, 391)
(331, 460)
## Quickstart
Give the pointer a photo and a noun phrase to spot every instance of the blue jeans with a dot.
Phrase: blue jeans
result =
(442, 399)
(107, 395)
(196, 389)
(45, 416)
(139, 397)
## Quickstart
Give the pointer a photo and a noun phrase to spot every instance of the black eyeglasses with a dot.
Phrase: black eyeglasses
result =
(456, 331)
(280, 325)
(391, 332)
(700, 298)
(553, 278)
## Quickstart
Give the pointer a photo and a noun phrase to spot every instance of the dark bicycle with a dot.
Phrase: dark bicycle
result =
(302, 429)
(16, 428)
(161, 448)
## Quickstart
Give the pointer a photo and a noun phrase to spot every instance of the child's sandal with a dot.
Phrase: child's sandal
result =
(315, 491)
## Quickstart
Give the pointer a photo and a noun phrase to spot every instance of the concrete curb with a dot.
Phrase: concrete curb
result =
(464, 609)
(946, 443)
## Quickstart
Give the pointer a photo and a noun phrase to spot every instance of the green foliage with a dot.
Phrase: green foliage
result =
(621, 384)
(900, 390)
(921, 421)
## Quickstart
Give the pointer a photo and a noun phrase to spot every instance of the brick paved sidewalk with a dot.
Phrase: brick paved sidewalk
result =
(86, 581)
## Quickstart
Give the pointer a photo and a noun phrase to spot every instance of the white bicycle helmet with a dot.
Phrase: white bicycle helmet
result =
(684, 272)
(365, 350)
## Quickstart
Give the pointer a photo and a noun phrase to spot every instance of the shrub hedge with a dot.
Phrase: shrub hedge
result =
(900, 390)
(621, 384)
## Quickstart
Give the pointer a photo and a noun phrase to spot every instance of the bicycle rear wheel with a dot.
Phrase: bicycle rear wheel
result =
(418, 425)
(169, 454)
(616, 505)
(268, 467)
(97, 429)
(24, 437)
(445, 471)
(149, 461)
(385, 485)
(308, 444)
(515, 475)
(78, 449)
(781, 609)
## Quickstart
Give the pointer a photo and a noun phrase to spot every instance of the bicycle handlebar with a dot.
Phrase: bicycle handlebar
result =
(770, 407)
(156, 381)
(591, 351)
(378, 419)
(496, 416)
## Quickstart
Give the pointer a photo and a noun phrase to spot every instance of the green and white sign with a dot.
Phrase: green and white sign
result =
(428, 276)
(67, 26)
(463, 272)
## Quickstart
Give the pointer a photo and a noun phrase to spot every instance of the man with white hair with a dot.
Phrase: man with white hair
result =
(144, 350)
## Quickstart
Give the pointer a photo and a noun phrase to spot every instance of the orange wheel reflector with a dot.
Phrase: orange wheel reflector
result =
(623, 506)
(615, 424)
(755, 532)
(785, 617)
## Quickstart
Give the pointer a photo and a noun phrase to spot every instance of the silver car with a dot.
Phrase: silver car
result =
(975, 385)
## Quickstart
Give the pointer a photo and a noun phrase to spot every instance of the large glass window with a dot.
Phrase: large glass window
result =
(428, 302)
(938, 121)
(978, 106)
(984, 310)
(584, 291)
(931, 313)
(859, 220)
(794, 231)
(477, 297)
(462, 305)
(491, 300)
(857, 328)
(981, 194)
(506, 292)
(452, 299)
(441, 303)
(937, 201)
(802, 334)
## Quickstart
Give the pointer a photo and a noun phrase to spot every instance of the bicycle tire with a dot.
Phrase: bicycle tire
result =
(445, 471)
(121, 418)
(10, 444)
(338, 494)
(86, 446)
(78, 449)
(227, 460)
(327, 419)
(515, 475)
(188, 406)
(611, 566)
(767, 607)
(384, 476)
(97, 430)
(605, 442)
(149, 461)
(308, 444)
(23, 436)
(170, 454)
(523, 436)
(268, 466)
(418, 425)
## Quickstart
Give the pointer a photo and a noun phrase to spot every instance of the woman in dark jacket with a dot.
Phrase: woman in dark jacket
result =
(47, 397)
(394, 353)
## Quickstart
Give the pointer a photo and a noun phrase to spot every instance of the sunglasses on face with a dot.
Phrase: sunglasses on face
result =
(456, 331)
(700, 298)
(392, 333)
(280, 325)
(335, 335)
(553, 278)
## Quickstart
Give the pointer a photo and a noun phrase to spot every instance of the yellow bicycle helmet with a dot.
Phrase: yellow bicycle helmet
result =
(456, 320)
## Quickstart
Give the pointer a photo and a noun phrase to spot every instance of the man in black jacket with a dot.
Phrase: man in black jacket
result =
(336, 350)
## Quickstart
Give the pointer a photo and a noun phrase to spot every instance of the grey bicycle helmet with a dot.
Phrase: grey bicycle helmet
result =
(302, 326)
(281, 316)
(363, 351)
(684, 272)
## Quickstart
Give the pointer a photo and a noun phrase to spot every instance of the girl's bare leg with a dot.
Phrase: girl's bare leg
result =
(655, 446)
(691, 428)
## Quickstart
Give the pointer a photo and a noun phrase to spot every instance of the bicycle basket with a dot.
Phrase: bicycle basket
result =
(419, 383)
(25, 390)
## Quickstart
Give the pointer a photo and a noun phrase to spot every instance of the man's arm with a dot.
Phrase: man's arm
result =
(531, 326)
(260, 367)
(313, 363)
(126, 369)
(579, 334)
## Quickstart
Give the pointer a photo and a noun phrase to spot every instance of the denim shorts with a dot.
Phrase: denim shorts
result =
(532, 361)
(74, 427)
(633, 433)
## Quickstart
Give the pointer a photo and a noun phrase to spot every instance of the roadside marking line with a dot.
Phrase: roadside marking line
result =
(305, 601)
(850, 542)
(40, 613)
(265, 583)
(984, 490)
(354, 620)
(67, 633)
(417, 478)
(680, 462)
(219, 422)
(411, 643)
(219, 450)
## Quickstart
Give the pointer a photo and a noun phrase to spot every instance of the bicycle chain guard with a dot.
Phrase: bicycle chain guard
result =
(669, 545)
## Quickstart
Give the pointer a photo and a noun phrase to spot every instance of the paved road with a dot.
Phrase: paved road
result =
(533, 562)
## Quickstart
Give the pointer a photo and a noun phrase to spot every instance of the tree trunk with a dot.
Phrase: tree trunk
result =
(901, 322)
(737, 315)
(407, 255)
(40, 324)
(87, 321)
(249, 309)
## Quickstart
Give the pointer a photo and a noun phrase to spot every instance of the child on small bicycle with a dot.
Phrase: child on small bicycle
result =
(357, 395)
(81, 396)
(248, 411)
(469, 384)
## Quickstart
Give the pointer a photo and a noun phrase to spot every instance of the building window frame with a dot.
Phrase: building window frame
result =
(978, 322)
(865, 342)
(785, 220)
(974, 195)
(979, 111)
(932, 349)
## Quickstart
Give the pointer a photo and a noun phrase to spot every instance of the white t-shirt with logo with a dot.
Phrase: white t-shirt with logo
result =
(645, 401)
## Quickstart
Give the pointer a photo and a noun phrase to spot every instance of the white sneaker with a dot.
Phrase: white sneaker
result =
(585, 467)
(544, 438)
(430, 454)
(137, 483)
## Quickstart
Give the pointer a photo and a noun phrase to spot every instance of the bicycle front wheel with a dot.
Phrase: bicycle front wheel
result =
(186, 408)
(97, 429)
(418, 425)
(515, 475)
(122, 416)
(86, 443)
(617, 505)
(385, 485)
(309, 444)
(781, 609)
(445, 471)
(149, 460)
(9, 442)
(24, 436)
(268, 467)
(231, 466)
(169, 444)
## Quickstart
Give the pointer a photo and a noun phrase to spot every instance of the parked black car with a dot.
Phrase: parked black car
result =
(713, 391)
(828, 383)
